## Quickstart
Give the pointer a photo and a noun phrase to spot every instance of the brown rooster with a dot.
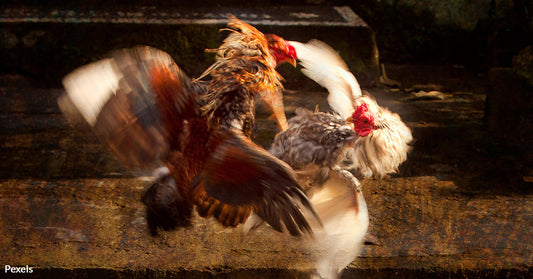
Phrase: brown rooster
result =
(195, 133)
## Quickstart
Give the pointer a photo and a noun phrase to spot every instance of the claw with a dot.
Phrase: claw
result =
(354, 182)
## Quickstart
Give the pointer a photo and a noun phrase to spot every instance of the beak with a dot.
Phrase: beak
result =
(293, 62)
(349, 119)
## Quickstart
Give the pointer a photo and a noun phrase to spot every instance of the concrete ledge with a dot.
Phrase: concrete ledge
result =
(97, 226)
(281, 16)
(48, 43)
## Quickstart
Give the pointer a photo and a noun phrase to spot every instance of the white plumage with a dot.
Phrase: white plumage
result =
(374, 139)
(90, 87)
(322, 64)
(345, 218)
(386, 148)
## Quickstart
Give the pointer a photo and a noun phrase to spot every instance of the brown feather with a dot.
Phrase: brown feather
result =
(152, 115)
(244, 64)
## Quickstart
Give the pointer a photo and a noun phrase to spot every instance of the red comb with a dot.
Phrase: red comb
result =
(360, 110)
(363, 120)
(292, 51)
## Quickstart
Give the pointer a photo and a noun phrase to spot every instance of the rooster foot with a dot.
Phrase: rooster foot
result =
(354, 182)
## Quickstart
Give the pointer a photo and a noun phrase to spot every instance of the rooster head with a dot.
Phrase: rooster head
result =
(363, 120)
(281, 50)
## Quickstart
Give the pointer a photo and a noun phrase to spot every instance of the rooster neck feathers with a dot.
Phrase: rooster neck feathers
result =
(244, 67)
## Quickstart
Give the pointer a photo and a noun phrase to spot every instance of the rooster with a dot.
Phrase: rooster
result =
(383, 142)
(195, 134)
(317, 145)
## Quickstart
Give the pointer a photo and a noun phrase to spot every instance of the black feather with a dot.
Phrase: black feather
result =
(165, 207)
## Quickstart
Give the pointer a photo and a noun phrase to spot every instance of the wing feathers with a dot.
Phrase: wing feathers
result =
(324, 65)
(133, 101)
(90, 87)
(241, 176)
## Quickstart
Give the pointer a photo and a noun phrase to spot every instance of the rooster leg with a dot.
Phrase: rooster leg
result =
(279, 110)
(281, 119)
(275, 102)
(354, 182)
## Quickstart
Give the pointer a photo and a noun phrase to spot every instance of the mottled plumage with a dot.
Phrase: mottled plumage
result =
(244, 68)
(314, 145)
(384, 141)
(196, 132)
(313, 138)
(323, 148)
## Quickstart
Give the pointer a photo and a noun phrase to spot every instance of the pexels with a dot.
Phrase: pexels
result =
(18, 269)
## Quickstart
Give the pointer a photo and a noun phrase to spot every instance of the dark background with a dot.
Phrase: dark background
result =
(404, 34)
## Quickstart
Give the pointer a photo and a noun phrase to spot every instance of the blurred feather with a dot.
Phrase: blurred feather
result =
(387, 146)
(154, 117)
(323, 64)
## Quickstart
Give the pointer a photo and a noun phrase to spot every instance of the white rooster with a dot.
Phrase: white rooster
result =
(317, 143)
(383, 145)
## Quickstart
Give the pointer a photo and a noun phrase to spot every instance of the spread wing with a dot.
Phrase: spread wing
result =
(241, 177)
(323, 64)
(142, 105)
(133, 101)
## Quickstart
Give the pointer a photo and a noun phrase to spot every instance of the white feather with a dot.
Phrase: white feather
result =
(91, 86)
(323, 64)
(344, 214)
(385, 149)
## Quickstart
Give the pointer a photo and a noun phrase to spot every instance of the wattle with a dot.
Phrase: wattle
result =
(363, 132)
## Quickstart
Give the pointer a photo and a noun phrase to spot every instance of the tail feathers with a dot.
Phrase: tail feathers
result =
(166, 209)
